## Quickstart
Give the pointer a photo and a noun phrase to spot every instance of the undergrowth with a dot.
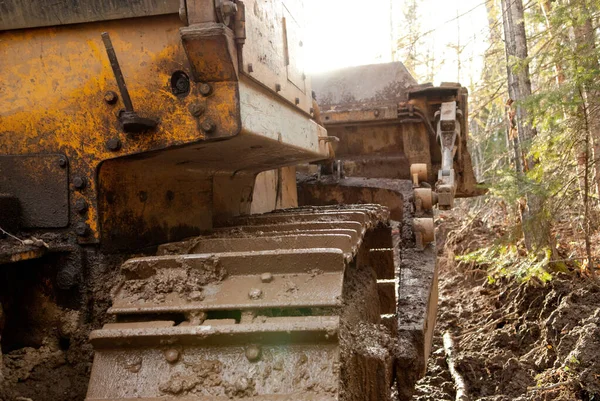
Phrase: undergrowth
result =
(509, 261)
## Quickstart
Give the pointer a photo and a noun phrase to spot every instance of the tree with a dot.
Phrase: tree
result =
(410, 44)
(536, 229)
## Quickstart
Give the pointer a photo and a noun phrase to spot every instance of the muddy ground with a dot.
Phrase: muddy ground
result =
(516, 341)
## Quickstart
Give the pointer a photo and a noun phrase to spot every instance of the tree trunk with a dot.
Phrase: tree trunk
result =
(536, 230)
(585, 39)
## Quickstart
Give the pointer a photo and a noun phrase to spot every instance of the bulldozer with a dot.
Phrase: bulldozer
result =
(185, 214)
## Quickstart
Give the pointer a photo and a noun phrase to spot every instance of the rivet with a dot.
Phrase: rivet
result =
(79, 182)
(63, 162)
(266, 277)
(82, 229)
(255, 293)
(208, 125)
(277, 87)
(172, 355)
(205, 89)
(81, 206)
(250, 69)
(113, 144)
(253, 353)
(196, 109)
(111, 97)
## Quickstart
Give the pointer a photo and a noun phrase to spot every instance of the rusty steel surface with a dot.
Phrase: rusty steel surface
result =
(353, 87)
(385, 123)
(45, 201)
(18, 14)
(60, 94)
(240, 313)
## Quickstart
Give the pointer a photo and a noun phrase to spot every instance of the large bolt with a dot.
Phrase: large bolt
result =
(228, 8)
(111, 97)
(208, 125)
(205, 89)
(82, 229)
(196, 109)
(79, 182)
(253, 353)
(67, 276)
(113, 144)
(172, 355)
(81, 206)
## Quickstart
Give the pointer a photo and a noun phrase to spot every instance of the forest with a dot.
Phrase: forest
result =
(526, 254)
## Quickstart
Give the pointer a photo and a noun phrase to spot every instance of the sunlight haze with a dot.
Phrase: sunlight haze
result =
(349, 33)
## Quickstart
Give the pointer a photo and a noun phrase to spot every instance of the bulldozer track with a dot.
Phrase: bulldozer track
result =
(252, 310)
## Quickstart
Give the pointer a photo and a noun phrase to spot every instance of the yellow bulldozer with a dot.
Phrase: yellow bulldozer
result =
(186, 215)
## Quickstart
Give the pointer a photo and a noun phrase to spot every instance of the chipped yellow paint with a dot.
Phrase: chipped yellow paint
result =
(52, 95)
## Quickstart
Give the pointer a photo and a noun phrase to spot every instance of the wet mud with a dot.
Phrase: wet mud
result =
(516, 341)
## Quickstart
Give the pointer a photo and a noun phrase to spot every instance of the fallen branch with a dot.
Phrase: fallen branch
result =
(459, 381)
(549, 387)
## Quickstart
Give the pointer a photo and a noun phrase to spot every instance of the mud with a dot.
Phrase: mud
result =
(55, 361)
(144, 281)
(45, 347)
(366, 348)
(528, 341)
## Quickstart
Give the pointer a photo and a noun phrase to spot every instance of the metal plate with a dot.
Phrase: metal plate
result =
(295, 51)
(362, 86)
(19, 14)
(41, 185)
(272, 52)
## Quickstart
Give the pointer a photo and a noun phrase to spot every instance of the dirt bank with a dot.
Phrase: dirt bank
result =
(516, 341)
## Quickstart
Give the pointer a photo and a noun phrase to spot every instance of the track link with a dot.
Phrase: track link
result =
(252, 310)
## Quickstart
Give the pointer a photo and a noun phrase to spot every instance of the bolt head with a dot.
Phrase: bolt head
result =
(63, 162)
(172, 355)
(111, 97)
(228, 8)
(113, 144)
(196, 109)
(253, 353)
(82, 229)
(297, 101)
(266, 277)
(250, 68)
(255, 293)
(208, 125)
(205, 89)
(81, 206)
(278, 87)
(79, 182)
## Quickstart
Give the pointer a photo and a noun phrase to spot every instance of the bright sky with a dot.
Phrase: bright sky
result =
(356, 32)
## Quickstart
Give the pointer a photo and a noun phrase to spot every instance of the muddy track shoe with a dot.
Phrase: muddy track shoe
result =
(279, 306)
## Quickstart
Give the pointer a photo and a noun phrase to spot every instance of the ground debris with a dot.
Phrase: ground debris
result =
(518, 341)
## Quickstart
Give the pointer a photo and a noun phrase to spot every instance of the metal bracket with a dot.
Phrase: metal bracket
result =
(448, 136)
(132, 123)
(226, 9)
